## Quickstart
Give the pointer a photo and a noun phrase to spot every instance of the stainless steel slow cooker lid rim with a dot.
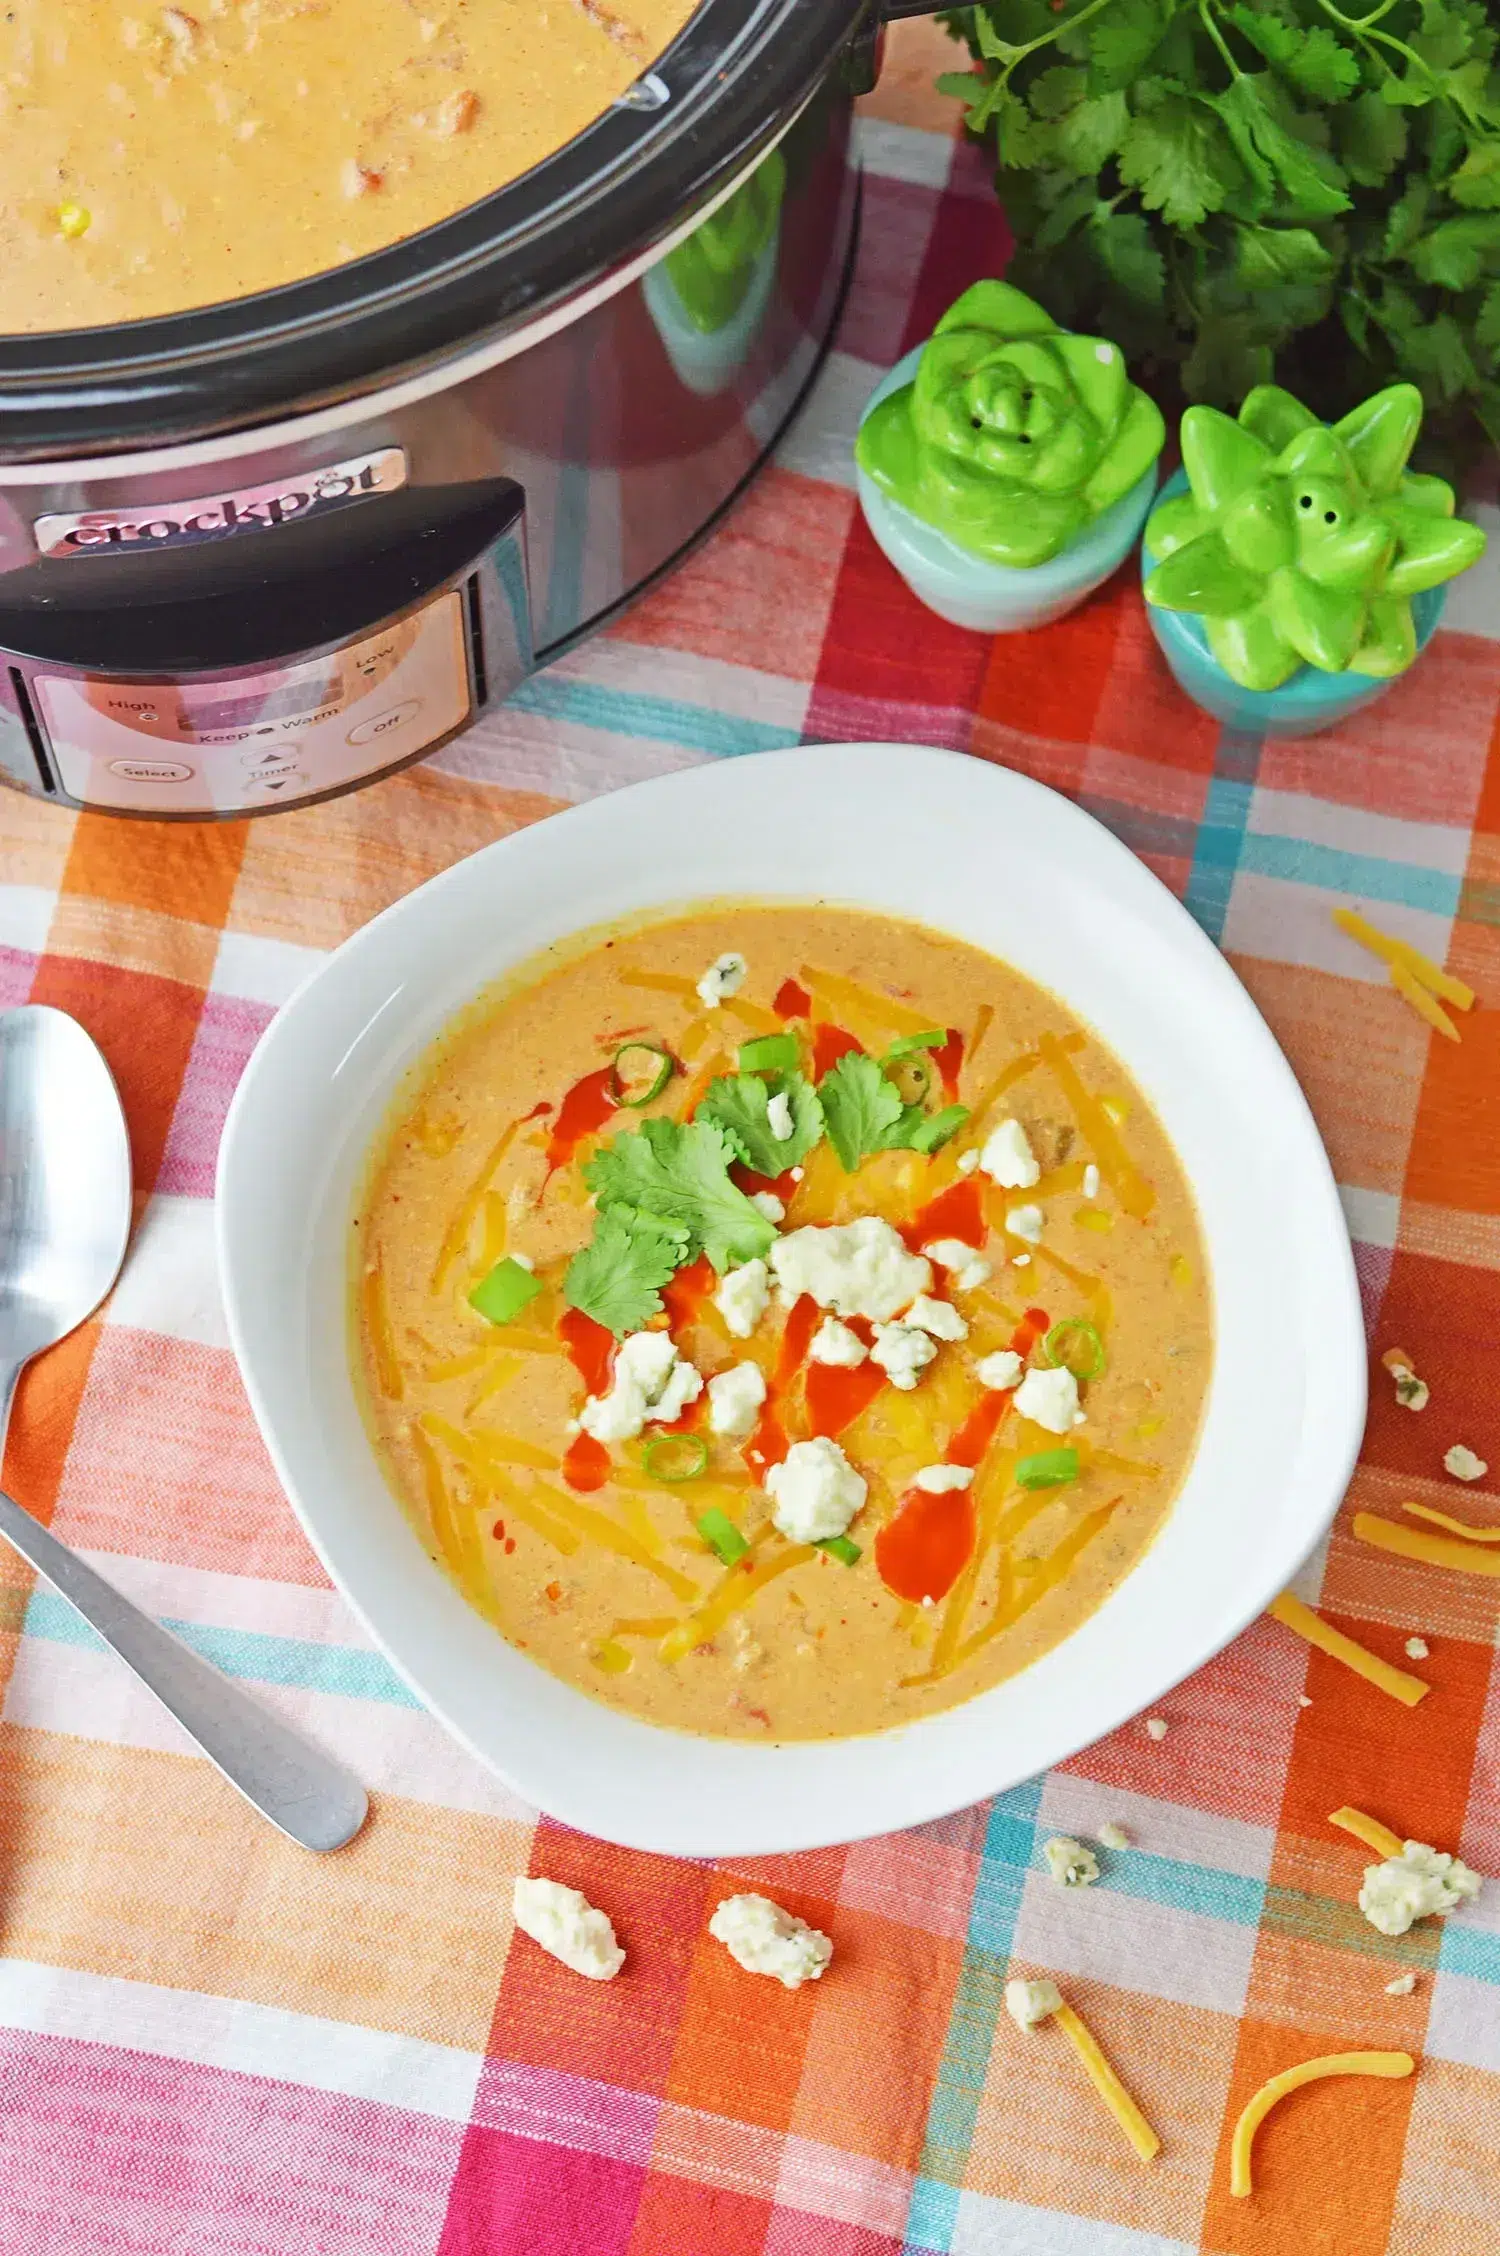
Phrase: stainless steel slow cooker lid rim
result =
(747, 64)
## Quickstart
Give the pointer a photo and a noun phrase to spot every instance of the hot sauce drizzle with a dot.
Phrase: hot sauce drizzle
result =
(949, 1062)
(830, 1043)
(585, 1109)
(585, 1464)
(921, 1553)
(836, 1395)
(957, 1212)
(687, 1291)
(768, 1444)
(591, 1347)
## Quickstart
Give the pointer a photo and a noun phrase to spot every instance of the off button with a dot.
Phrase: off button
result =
(384, 723)
(151, 771)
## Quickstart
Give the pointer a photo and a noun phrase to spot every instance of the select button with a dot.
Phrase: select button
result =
(151, 771)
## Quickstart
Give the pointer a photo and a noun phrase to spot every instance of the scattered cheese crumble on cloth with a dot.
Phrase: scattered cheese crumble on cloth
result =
(1027, 2003)
(764, 1939)
(815, 1490)
(1156, 1726)
(1403, 1985)
(1463, 1464)
(724, 977)
(568, 1927)
(1421, 1883)
(742, 1296)
(1417, 1648)
(1069, 1863)
(859, 1268)
(1008, 1159)
(650, 1383)
(1113, 1836)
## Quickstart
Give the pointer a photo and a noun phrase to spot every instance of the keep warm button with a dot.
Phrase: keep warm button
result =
(384, 724)
(151, 771)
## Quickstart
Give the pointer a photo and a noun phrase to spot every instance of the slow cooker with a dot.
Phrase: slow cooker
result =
(266, 551)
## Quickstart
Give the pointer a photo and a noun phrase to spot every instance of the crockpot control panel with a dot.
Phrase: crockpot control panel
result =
(264, 738)
(217, 661)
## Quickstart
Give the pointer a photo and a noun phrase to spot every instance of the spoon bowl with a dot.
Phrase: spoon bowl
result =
(65, 1182)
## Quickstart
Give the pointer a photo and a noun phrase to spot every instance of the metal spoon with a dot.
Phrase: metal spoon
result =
(64, 1224)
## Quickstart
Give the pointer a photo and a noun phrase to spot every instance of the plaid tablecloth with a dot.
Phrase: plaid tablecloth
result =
(213, 2044)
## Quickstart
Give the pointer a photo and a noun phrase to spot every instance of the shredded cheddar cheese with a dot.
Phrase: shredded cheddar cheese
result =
(1389, 2065)
(1375, 1836)
(1107, 2084)
(456, 1236)
(1100, 1131)
(1464, 1528)
(1432, 1550)
(1301, 1619)
(377, 1316)
(1400, 954)
(1411, 990)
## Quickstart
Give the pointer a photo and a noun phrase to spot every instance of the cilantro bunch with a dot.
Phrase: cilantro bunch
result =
(1237, 190)
(665, 1193)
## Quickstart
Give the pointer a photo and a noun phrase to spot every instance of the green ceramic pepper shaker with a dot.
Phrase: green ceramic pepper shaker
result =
(1294, 568)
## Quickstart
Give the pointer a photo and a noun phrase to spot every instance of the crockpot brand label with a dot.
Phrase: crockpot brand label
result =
(252, 509)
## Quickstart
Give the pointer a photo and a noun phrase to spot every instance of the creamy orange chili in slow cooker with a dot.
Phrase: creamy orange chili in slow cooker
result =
(154, 158)
(780, 1322)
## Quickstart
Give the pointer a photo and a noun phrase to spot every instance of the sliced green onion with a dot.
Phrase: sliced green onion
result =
(722, 1536)
(1049, 1468)
(504, 1292)
(931, 1134)
(1075, 1345)
(934, 1039)
(770, 1053)
(839, 1547)
(674, 1457)
(637, 1085)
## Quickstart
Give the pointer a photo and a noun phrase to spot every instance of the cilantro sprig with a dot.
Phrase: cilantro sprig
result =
(1245, 189)
(679, 1177)
(864, 1113)
(664, 1196)
(741, 1105)
(617, 1277)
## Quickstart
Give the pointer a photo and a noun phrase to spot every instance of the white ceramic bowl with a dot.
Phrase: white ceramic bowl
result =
(999, 861)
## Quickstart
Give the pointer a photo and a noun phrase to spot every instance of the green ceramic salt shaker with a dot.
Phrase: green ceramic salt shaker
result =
(1006, 467)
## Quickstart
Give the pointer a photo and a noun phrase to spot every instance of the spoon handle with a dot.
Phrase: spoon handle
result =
(300, 1789)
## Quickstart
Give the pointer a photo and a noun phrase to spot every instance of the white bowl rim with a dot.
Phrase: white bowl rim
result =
(325, 1070)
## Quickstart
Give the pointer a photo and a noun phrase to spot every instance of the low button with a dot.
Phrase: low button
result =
(384, 723)
(151, 771)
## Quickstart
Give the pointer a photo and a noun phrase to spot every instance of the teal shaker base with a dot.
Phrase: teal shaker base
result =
(1309, 702)
(970, 591)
